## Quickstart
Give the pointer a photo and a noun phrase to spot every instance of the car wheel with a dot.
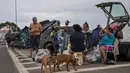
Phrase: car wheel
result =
(128, 54)
(46, 44)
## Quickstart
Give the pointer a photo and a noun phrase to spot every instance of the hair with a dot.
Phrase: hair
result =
(86, 25)
(110, 29)
(77, 28)
(34, 18)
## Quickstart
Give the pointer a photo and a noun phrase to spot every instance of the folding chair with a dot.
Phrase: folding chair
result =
(111, 59)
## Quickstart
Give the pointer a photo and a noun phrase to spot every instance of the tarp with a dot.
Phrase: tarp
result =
(4, 28)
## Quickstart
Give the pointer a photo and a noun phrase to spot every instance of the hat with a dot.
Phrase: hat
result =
(67, 21)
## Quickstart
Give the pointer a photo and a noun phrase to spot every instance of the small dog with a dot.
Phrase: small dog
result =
(65, 58)
(47, 61)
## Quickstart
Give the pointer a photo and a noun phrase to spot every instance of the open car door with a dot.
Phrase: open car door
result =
(114, 11)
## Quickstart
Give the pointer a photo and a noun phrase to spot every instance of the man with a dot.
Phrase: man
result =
(35, 30)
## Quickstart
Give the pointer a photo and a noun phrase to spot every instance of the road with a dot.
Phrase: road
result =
(6, 63)
(114, 70)
(33, 67)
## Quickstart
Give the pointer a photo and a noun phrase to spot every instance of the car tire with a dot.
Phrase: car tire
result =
(128, 54)
(45, 45)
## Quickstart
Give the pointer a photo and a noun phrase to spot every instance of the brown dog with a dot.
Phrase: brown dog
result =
(65, 58)
(47, 61)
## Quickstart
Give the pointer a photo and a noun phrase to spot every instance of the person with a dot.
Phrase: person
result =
(107, 38)
(55, 37)
(8, 37)
(35, 30)
(67, 22)
(77, 42)
(86, 32)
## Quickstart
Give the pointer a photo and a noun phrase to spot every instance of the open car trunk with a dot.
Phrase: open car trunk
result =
(118, 16)
(114, 11)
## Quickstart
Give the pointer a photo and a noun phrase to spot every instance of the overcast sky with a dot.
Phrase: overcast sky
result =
(77, 11)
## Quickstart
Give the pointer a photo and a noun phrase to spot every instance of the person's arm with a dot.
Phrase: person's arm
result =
(40, 28)
(105, 31)
(101, 34)
(30, 28)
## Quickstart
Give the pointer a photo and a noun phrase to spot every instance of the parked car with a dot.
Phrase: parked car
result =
(115, 11)
(48, 28)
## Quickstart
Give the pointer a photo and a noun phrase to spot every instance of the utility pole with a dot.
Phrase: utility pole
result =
(16, 13)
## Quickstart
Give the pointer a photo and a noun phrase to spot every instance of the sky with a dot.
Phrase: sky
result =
(76, 11)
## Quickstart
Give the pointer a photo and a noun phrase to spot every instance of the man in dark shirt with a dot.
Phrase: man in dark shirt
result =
(77, 39)
(77, 43)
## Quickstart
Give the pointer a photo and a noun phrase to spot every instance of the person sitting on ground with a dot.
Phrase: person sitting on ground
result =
(77, 41)
(106, 39)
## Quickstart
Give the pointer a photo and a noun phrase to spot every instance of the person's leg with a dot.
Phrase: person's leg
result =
(32, 46)
(37, 41)
(103, 54)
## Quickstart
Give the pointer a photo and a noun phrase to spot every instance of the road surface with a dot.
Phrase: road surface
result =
(33, 67)
(6, 63)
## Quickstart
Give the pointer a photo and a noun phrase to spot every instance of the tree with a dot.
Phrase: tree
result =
(11, 24)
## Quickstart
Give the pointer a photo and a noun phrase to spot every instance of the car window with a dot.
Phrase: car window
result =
(117, 10)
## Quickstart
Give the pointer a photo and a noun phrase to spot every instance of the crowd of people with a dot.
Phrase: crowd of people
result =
(78, 41)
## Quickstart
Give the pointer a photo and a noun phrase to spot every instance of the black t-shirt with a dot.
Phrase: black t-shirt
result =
(77, 42)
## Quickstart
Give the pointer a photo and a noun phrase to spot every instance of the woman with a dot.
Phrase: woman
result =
(86, 30)
(77, 41)
(106, 39)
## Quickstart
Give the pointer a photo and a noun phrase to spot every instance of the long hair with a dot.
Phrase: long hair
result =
(86, 25)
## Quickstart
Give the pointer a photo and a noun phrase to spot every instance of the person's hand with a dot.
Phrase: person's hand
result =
(99, 27)
(32, 30)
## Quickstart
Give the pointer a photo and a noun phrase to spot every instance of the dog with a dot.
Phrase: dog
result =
(61, 58)
(47, 61)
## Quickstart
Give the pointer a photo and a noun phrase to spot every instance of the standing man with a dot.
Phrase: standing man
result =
(35, 30)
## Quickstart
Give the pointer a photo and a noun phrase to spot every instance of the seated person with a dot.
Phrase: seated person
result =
(107, 38)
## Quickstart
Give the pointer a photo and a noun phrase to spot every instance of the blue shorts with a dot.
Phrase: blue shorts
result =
(34, 42)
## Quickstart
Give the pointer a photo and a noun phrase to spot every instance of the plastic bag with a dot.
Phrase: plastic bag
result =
(93, 55)
(41, 53)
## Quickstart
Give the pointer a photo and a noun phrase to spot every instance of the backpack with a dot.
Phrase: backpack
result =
(94, 38)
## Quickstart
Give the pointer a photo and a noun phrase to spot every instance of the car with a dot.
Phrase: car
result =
(48, 28)
(116, 12)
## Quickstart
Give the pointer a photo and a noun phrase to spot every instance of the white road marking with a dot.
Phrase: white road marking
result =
(19, 66)
(32, 68)
(21, 53)
(28, 63)
(30, 59)
(97, 68)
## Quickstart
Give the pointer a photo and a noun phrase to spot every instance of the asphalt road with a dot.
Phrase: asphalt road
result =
(6, 63)
(114, 70)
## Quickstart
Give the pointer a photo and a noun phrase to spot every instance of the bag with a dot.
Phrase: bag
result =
(120, 35)
(41, 53)
(94, 38)
(94, 55)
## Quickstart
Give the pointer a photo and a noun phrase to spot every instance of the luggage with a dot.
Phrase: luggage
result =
(93, 39)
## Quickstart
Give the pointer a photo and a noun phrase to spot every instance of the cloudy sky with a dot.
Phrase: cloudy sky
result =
(77, 11)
